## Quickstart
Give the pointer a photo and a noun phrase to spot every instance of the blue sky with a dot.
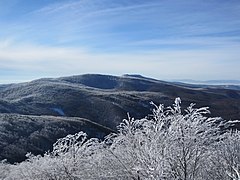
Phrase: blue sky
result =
(164, 39)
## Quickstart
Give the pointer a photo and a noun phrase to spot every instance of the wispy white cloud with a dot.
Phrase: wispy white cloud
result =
(191, 42)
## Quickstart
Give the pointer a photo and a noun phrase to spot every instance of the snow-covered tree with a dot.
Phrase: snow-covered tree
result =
(224, 159)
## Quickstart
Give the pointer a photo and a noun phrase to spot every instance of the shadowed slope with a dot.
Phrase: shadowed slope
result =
(25, 133)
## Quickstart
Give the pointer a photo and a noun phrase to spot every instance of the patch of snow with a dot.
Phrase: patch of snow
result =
(59, 111)
(234, 121)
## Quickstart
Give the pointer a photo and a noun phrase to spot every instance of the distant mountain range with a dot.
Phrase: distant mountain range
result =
(210, 82)
(43, 110)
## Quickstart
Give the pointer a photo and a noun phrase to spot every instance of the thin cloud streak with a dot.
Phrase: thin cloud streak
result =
(201, 41)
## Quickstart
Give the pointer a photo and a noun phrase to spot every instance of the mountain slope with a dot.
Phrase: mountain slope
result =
(107, 99)
(26, 133)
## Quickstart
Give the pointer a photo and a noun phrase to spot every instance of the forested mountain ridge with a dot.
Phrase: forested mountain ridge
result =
(106, 99)
(34, 114)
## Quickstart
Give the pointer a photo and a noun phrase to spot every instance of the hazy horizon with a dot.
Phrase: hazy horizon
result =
(166, 40)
